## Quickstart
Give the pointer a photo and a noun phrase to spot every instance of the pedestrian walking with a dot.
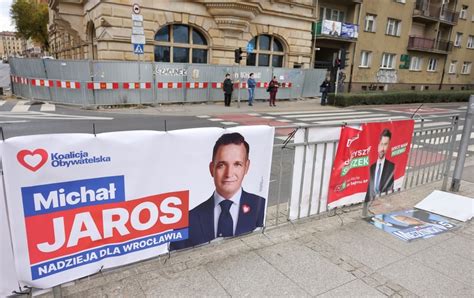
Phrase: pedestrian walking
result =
(251, 84)
(227, 87)
(324, 88)
(273, 89)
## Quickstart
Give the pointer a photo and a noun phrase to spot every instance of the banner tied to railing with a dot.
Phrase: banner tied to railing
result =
(78, 202)
(371, 160)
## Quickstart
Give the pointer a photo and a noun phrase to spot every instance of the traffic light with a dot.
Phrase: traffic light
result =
(342, 63)
(238, 55)
(337, 63)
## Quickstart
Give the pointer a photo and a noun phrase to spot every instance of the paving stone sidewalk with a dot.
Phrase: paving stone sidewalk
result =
(330, 255)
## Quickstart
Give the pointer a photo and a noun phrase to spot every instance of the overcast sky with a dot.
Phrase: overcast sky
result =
(5, 20)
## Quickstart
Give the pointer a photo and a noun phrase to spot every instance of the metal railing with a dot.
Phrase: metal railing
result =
(424, 9)
(430, 159)
(429, 45)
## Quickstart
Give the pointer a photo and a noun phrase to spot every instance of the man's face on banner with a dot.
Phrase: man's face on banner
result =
(228, 169)
(383, 146)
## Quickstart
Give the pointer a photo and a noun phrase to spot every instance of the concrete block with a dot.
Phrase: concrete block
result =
(250, 275)
(303, 266)
(355, 288)
(385, 290)
(455, 262)
(424, 281)
(193, 282)
(361, 248)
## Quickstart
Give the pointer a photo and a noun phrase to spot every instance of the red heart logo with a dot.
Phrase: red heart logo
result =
(246, 209)
(32, 160)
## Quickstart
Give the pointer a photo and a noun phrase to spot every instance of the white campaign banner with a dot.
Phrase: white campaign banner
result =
(8, 279)
(79, 203)
(310, 183)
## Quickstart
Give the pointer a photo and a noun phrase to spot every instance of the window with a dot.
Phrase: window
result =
(452, 67)
(180, 44)
(466, 68)
(370, 22)
(470, 42)
(331, 14)
(365, 58)
(458, 39)
(432, 64)
(268, 51)
(463, 12)
(393, 27)
(388, 61)
(415, 63)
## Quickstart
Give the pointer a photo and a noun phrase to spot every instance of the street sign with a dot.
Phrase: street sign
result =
(137, 17)
(138, 49)
(137, 24)
(249, 48)
(136, 8)
(138, 39)
(138, 31)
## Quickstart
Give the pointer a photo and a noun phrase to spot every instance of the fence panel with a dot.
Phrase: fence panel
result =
(69, 79)
(121, 73)
(169, 78)
(312, 80)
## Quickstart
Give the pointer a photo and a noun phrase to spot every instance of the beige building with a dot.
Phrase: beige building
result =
(10, 45)
(380, 44)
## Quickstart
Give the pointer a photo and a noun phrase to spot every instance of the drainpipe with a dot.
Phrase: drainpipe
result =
(354, 51)
(313, 46)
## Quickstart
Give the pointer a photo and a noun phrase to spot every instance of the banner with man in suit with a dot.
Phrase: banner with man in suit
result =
(80, 203)
(370, 161)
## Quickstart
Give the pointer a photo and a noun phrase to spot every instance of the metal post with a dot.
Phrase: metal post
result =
(466, 133)
(336, 83)
(57, 292)
(239, 82)
(452, 141)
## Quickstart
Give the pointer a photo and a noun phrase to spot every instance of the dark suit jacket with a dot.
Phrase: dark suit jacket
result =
(386, 179)
(201, 220)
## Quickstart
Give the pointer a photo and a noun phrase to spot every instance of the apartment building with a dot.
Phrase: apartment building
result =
(377, 44)
(10, 45)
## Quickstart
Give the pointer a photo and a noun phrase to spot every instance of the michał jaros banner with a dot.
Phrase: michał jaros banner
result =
(78, 203)
(370, 160)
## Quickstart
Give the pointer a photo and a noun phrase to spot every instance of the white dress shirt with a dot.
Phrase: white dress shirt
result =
(380, 163)
(234, 209)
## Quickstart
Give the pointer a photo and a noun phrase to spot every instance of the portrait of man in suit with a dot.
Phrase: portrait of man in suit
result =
(230, 210)
(382, 171)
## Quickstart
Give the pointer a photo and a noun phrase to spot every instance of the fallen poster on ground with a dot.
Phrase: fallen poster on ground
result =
(409, 225)
(79, 203)
(371, 160)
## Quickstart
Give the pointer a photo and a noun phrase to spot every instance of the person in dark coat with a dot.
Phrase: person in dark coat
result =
(325, 87)
(227, 87)
(273, 89)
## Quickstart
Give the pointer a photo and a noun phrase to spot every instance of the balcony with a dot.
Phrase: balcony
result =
(333, 30)
(422, 44)
(425, 12)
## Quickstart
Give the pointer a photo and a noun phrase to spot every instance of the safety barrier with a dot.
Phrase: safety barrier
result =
(113, 83)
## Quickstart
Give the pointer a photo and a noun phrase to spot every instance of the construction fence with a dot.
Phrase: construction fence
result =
(90, 83)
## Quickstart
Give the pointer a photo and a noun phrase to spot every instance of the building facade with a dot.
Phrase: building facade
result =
(10, 45)
(377, 44)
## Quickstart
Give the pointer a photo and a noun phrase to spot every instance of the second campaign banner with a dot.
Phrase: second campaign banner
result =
(370, 160)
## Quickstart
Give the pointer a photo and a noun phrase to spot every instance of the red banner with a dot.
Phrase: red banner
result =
(370, 160)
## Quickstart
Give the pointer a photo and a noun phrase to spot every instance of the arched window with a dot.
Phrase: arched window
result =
(268, 51)
(180, 43)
